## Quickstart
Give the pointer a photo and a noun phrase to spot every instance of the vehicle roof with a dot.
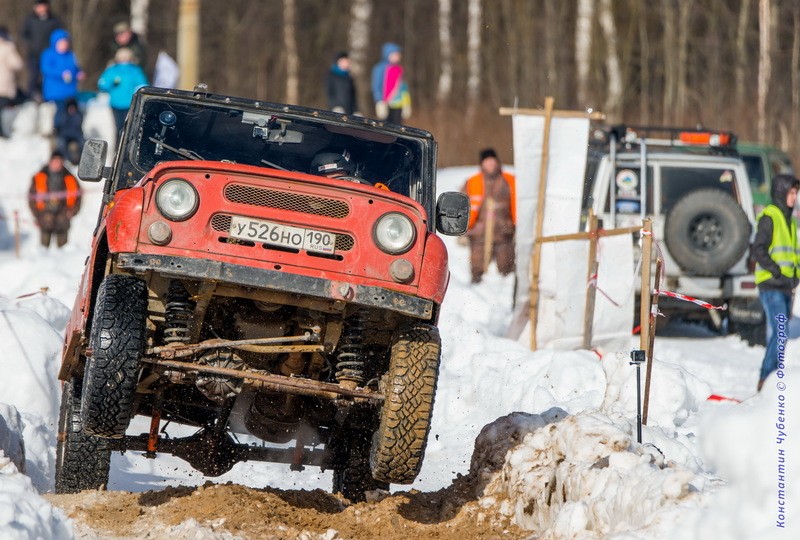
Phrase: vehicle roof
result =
(282, 108)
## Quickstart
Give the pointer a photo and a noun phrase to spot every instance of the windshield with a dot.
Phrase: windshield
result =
(172, 130)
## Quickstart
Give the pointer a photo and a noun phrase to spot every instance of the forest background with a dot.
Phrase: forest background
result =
(723, 64)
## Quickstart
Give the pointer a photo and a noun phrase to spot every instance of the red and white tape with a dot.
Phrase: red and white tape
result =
(686, 298)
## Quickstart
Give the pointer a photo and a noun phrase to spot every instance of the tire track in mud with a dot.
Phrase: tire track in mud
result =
(232, 511)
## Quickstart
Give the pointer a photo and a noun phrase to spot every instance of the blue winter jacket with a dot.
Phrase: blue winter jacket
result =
(59, 71)
(379, 71)
(121, 81)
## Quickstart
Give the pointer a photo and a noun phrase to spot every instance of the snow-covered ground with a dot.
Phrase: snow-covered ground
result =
(567, 464)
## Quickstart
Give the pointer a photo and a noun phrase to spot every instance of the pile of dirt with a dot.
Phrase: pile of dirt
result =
(234, 511)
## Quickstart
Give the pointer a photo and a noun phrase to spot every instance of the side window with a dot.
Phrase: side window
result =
(677, 182)
(755, 172)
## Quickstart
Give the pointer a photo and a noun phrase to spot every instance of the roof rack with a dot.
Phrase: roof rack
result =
(698, 140)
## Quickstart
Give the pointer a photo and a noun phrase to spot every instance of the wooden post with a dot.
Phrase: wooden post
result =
(644, 295)
(488, 238)
(16, 233)
(591, 291)
(537, 246)
(652, 339)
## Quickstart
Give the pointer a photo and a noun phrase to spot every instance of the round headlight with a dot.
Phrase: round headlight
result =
(394, 233)
(177, 199)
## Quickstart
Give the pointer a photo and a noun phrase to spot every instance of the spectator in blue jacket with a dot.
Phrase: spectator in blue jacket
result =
(389, 89)
(121, 80)
(60, 70)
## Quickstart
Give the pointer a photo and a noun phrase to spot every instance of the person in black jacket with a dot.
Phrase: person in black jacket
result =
(777, 254)
(36, 30)
(341, 88)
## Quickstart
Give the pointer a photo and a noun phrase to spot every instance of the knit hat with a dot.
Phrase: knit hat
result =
(488, 153)
(121, 27)
(57, 154)
(339, 55)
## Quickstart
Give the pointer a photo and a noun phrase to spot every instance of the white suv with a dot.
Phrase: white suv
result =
(700, 203)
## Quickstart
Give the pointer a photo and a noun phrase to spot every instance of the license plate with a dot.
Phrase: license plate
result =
(276, 234)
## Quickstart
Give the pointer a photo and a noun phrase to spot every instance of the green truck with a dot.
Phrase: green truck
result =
(763, 163)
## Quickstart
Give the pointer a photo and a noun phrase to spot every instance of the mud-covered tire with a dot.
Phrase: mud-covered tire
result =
(351, 473)
(82, 461)
(398, 445)
(707, 232)
(117, 341)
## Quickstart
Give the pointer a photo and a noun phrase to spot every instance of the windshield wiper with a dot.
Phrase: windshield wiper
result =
(188, 154)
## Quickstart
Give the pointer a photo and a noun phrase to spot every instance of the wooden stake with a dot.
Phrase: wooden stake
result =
(488, 238)
(646, 288)
(651, 340)
(591, 291)
(537, 247)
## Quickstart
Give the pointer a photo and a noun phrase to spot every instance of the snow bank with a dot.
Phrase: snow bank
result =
(11, 443)
(579, 476)
(30, 361)
(23, 513)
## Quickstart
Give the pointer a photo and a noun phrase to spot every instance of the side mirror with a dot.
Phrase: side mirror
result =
(93, 160)
(452, 213)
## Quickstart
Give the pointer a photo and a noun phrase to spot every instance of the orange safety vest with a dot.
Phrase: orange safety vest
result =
(476, 189)
(40, 181)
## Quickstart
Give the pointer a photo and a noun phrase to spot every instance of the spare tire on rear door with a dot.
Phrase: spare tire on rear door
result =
(707, 232)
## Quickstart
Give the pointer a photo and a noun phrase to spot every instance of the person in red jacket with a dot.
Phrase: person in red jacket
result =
(54, 199)
(492, 218)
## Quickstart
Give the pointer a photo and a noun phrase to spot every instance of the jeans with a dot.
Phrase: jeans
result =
(777, 305)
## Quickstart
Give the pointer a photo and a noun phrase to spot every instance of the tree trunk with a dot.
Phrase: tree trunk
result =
(614, 92)
(552, 36)
(139, 10)
(670, 62)
(644, 54)
(474, 24)
(764, 65)
(741, 54)
(358, 41)
(445, 86)
(684, 19)
(583, 49)
(290, 46)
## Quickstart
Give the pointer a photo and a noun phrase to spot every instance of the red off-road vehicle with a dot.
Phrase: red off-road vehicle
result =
(234, 288)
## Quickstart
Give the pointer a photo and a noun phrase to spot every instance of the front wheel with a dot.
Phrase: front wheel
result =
(82, 461)
(398, 446)
(351, 473)
(117, 340)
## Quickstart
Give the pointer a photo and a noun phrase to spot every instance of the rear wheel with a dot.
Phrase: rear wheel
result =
(398, 446)
(117, 341)
(82, 461)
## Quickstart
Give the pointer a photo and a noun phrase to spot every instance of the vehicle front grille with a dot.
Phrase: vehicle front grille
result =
(283, 200)
(222, 223)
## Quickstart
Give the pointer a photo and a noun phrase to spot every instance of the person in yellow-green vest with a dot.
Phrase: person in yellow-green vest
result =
(777, 255)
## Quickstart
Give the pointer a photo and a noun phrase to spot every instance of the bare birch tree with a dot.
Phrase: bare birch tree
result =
(741, 52)
(681, 98)
(583, 48)
(764, 64)
(290, 46)
(358, 41)
(474, 24)
(139, 10)
(614, 84)
(445, 87)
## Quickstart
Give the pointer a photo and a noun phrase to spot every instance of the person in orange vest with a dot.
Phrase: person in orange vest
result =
(492, 217)
(55, 198)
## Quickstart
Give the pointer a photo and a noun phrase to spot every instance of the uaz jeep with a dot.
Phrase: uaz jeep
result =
(695, 188)
(232, 288)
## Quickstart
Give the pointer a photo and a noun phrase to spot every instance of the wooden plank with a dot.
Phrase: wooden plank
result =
(586, 235)
(537, 247)
(646, 288)
(591, 292)
(594, 115)
(488, 237)
(652, 340)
